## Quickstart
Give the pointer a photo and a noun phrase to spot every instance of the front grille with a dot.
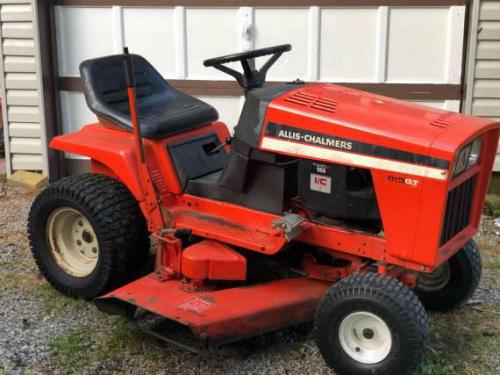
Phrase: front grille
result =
(458, 209)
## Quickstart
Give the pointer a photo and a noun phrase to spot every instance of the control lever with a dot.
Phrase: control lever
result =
(222, 145)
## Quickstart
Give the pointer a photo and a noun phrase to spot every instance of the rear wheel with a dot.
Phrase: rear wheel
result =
(87, 235)
(371, 324)
(454, 282)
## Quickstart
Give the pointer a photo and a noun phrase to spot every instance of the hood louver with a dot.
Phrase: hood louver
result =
(313, 101)
(444, 121)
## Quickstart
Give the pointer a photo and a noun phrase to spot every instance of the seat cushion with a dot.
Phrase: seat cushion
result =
(163, 110)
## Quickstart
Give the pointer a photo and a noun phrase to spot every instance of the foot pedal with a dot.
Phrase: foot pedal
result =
(291, 225)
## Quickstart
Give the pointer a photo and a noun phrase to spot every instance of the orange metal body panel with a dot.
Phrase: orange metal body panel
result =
(213, 260)
(412, 214)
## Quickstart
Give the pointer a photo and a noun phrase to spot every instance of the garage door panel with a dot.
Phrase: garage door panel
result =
(74, 111)
(82, 33)
(348, 40)
(229, 108)
(271, 30)
(417, 45)
(374, 44)
(206, 38)
(151, 33)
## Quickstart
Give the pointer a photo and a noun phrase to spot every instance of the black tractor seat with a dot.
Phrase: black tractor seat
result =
(163, 111)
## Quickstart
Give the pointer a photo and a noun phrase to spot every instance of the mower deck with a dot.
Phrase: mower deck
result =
(226, 315)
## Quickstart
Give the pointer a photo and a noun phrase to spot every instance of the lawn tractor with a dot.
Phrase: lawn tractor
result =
(326, 203)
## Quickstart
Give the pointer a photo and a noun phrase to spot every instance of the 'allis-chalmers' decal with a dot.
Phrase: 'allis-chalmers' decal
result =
(315, 139)
(325, 140)
(325, 147)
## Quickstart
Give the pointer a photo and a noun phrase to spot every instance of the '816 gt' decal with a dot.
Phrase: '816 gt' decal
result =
(403, 180)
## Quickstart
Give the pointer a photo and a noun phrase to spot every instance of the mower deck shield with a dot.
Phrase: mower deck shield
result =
(226, 315)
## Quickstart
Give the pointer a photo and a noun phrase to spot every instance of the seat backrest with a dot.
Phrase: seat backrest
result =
(105, 86)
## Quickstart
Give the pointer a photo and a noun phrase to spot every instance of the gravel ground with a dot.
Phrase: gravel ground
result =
(42, 332)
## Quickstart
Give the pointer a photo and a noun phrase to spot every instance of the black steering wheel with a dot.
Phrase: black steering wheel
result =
(251, 78)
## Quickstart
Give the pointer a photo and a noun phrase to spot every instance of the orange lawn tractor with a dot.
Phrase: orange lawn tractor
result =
(327, 203)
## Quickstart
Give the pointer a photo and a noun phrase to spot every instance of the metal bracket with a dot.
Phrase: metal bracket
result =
(290, 224)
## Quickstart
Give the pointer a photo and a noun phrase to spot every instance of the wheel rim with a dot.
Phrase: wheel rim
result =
(436, 280)
(73, 242)
(365, 337)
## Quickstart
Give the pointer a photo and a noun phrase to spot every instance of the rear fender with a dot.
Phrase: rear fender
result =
(111, 151)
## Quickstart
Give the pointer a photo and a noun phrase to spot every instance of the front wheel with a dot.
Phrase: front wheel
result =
(371, 324)
(454, 282)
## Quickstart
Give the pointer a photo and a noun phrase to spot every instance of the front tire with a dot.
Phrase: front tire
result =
(453, 283)
(87, 235)
(371, 324)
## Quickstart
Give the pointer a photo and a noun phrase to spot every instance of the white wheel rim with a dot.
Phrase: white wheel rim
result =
(365, 337)
(73, 242)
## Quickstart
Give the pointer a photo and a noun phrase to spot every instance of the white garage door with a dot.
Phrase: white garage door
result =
(413, 52)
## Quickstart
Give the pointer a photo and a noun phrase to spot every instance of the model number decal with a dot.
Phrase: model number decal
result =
(402, 180)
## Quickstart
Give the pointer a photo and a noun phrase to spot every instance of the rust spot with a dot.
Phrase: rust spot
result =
(152, 299)
(214, 219)
(197, 305)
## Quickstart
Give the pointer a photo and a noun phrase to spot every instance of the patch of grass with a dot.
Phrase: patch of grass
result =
(74, 348)
(493, 201)
(19, 282)
(74, 351)
(121, 338)
(490, 254)
(438, 367)
(462, 342)
(54, 301)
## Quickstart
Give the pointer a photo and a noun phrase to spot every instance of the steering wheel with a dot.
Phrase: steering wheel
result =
(251, 78)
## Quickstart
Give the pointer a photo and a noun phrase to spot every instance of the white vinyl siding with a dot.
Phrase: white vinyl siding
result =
(483, 82)
(20, 81)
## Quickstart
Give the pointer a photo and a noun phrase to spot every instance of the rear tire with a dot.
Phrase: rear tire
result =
(453, 283)
(371, 324)
(87, 235)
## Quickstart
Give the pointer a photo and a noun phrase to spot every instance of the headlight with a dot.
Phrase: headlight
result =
(475, 152)
(467, 156)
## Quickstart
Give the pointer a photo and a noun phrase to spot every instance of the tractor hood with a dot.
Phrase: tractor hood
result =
(315, 118)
